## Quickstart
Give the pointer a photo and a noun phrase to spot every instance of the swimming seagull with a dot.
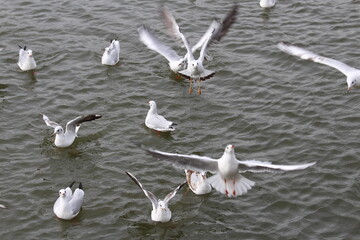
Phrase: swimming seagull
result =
(65, 139)
(157, 122)
(352, 74)
(111, 53)
(267, 3)
(195, 69)
(68, 205)
(227, 179)
(26, 60)
(197, 182)
(161, 211)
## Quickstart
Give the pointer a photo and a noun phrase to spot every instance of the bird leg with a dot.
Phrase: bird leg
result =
(199, 89)
(190, 87)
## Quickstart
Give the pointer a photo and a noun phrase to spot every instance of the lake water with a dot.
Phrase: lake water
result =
(271, 106)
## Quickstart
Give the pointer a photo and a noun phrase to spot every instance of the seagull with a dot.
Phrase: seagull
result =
(227, 179)
(197, 182)
(68, 205)
(352, 74)
(195, 69)
(157, 122)
(65, 139)
(26, 60)
(2, 206)
(267, 3)
(111, 53)
(161, 211)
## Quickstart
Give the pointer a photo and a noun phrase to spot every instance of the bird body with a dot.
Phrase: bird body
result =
(112, 53)
(197, 182)
(68, 205)
(26, 59)
(267, 3)
(66, 138)
(157, 122)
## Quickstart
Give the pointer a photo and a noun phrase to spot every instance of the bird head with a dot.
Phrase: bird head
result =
(62, 193)
(58, 130)
(351, 82)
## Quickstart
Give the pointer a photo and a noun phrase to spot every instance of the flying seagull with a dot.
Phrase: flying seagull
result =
(352, 74)
(227, 178)
(195, 69)
(65, 139)
(161, 211)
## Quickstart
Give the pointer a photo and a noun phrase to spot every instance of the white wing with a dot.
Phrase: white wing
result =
(193, 162)
(259, 166)
(307, 55)
(214, 25)
(76, 200)
(173, 193)
(149, 194)
(74, 125)
(174, 30)
(148, 38)
(49, 122)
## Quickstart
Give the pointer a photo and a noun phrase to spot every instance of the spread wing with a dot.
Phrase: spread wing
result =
(174, 30)
(193, 162)
(259, 166)
(73, 125)
(153, 43)
(49, 122)
(173, 193)
(149, 194)
(307, 55)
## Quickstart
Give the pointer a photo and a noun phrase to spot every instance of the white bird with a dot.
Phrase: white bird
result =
(267, 3)
(352, 74)
(111, 53)
(195, 69)
(197, 182)
(157, 122)
(65, 139)
(227, 179)
(68, 205)
(2, 206)
(161, 211)
(26, 60)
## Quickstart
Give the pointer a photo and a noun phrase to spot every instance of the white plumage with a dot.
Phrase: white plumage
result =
(352, 74)
(68, 205)
(157, 122)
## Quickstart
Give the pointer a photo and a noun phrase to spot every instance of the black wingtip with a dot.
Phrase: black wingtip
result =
(20, 46)
(182, 185)
(80, 186)
(71, 184)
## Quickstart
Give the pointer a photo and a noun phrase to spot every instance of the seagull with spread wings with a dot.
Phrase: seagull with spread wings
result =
(227, 178)
(67, 137)
(352, 74)
(161, 211)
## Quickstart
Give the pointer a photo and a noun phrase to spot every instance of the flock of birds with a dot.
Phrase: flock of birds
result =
(227, 171)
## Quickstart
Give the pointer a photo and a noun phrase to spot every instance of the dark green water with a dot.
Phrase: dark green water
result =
(271, 106)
